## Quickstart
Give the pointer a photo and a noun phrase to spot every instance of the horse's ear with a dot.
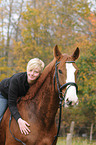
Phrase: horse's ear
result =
(75, 55)
(56, 52)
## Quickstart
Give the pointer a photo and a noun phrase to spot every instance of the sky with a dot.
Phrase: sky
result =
(94, 4)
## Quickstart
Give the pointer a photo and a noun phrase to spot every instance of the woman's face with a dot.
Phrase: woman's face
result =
(32, 75)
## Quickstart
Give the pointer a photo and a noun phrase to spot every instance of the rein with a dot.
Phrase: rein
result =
(59, 87)
(10, 125)
(12, 134)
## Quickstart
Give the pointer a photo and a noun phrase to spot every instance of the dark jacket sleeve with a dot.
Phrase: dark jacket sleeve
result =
(12, 98)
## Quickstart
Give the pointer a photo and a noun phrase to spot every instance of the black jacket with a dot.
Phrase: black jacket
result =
(12, 88)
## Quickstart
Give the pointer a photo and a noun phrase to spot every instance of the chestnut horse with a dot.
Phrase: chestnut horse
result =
(41, 103)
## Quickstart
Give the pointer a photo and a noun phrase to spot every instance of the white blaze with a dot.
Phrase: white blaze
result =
(71, 92)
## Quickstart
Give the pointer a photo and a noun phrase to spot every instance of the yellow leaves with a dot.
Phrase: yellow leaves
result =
(2, 76)
(82, 99)
(2, 58)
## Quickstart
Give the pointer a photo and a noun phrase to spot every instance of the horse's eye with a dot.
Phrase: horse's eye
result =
(60, 71)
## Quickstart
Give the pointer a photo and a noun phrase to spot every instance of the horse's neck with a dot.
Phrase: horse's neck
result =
(47, 101)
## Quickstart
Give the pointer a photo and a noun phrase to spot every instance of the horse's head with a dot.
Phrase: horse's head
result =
(65, 73)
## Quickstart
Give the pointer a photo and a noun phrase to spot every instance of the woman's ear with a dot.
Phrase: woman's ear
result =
(76, 53)
(57, 53)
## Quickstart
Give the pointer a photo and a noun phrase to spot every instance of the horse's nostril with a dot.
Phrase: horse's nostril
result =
(69, 102)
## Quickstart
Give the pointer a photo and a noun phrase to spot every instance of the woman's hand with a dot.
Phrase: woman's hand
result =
(23, 126)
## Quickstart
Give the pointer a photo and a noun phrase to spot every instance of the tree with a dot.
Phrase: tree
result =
(36, 36)
(9, 30)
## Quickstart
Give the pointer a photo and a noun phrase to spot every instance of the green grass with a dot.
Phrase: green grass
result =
(75, 141)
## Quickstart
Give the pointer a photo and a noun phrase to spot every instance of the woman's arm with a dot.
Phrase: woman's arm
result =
(12, 99)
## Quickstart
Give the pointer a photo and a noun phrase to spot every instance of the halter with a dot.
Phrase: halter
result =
(60, 88)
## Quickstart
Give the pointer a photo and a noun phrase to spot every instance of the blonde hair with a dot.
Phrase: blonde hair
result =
(35, 63)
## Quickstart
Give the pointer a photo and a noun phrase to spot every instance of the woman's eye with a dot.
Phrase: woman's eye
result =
(60, 71)
(31, 70)
(36, 71)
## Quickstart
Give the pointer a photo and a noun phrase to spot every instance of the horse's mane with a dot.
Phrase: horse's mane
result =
(35, 87)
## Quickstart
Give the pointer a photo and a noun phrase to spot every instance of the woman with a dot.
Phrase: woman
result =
(17, 86)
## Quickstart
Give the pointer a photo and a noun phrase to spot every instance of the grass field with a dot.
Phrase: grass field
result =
(75, 141)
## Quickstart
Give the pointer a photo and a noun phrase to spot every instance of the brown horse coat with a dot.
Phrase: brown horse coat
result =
(38, 108)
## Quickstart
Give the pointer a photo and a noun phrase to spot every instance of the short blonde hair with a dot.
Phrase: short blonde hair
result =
(35, 63)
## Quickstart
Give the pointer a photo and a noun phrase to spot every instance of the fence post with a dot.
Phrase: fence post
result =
(91, 131)
(69, 135)
(72, 127)
(69, 139)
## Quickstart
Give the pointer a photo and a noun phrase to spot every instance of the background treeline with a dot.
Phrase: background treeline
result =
(31, 28)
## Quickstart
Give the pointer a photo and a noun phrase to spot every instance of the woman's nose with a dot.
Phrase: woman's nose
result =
(32, 72)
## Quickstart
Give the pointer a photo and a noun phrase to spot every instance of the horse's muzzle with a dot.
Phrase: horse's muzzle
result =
(69, 103)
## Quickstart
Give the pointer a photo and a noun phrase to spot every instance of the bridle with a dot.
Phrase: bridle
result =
(61, 95)
(59, 87)
(61, 98)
